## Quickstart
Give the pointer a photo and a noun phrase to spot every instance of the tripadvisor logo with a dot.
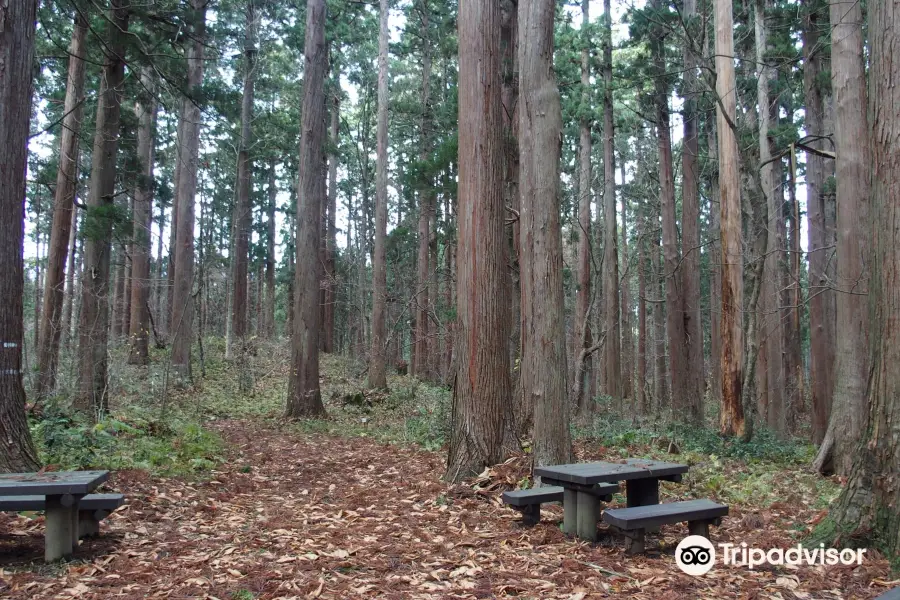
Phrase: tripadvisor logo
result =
(695, 555)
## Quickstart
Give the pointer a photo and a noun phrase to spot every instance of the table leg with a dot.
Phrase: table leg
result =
(587, 516)
(60, 528)
(570, 509)
(643, 492)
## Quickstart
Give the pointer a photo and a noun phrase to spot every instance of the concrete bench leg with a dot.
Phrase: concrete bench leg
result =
(531, 515)
(635, 543)
(61, 519)
(587, 516)
(88, 525)
(570, 509)
(699, 528)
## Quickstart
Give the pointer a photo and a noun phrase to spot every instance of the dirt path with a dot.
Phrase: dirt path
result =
(308, 516)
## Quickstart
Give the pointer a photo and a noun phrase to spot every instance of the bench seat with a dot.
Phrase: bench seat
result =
(529, 501)
(92, 509)
(635, 520)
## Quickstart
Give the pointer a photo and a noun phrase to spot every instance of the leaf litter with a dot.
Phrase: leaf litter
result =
(291, 516)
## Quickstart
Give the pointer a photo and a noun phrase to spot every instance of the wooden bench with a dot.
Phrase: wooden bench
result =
(92, 509)
(635, 521)
(528, 502)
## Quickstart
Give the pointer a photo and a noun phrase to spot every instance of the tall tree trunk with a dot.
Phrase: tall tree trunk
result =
(139, 327)
(660, 378)
(292, 274)
(681, 403)
(331, 229)
(866, 511)
(377, 370)
(821, 327)
(159, 289)
(482, 405)
(627, 311)
(732, 349)
(126, 296)
(38, 272)
(173, 225)
(304, 397)
(612, 347)
(770, 322)
(421, 340)
(792, 333)
(690, 227)
(243, 209)
(94, 320)
(270, 252)
(715, 275)
(188, 156)
(642, 398)
(509, 35)
(543, 371)
(583, 291)
(71, 289)
(63, 205)
(17, 453)
(451, 297)
(851, 135)
(120, 262)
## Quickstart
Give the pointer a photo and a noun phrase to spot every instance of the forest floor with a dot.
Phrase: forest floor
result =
(343, 508)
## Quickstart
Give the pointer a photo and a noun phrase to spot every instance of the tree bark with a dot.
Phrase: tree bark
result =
(675, 317)
(243, 209)
(139, 326)
(770, 323)
(821, 297)
(543, 371)
(690, 227)
(71, 287)
(866, 512)
(304, 399)
(851, 135)
(613, 346)
(94, 320)
(660, 375)
(482, 405)
(188, 156)
(715, 258)
(377, 366)
(270, 253)
(642, 398)
(421, 341)
(331, 228)
(583, 291)
(120, 261)
(732, 357)
(173, 226)
(17, 453)
(627, 311)
(63, 208)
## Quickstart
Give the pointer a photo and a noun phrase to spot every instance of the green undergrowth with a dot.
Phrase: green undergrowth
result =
(129, 438)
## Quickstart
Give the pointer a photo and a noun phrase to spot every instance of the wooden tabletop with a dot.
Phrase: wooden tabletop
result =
(52, 483)
(608, 472)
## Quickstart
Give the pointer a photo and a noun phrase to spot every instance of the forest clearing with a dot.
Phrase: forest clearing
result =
(343, 509)
(476, 298)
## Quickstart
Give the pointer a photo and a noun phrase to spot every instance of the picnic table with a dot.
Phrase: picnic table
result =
(62, 492)
(581, 504)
